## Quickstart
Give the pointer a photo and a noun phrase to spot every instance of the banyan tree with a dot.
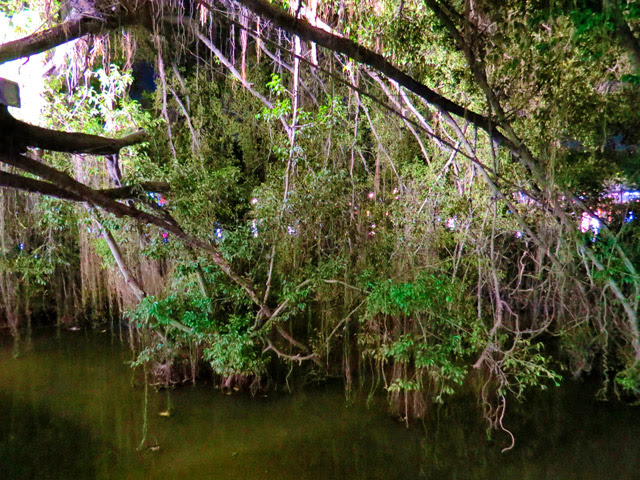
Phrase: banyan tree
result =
(387, 192)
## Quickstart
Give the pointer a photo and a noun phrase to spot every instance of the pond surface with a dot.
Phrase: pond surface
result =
(70, 409)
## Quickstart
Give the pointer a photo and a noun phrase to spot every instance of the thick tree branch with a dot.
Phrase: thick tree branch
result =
(134, 191)
(16, 134)
(31, 185)
(301, 28)
(511, 140)
(65, 32)
(65, 182)
(48, 39)
(98, 199)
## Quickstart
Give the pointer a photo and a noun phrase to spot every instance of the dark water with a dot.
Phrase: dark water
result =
(70, 409)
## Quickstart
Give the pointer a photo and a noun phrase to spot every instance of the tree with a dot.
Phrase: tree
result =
(315, 139)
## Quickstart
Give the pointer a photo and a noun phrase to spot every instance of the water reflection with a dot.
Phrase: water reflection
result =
(71, 410)
(31, 437)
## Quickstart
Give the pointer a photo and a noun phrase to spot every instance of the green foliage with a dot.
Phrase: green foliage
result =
(230, 346)
(631, 78)
(282, 106)
(428, 294)
(359, 231)
(234, 349)
(98, 105)
(528, 367)
(440, 332)
(629, 380)
(11, 7)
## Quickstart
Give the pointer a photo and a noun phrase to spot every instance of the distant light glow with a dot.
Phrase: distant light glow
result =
(590, 223)
(618, 194)
(621, 195)
(450, 223)
(29, 73)
(159, 199)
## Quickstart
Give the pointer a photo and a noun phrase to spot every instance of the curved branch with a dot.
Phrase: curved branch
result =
(134, 191)
(60, 34)
(295, 358)
(18, 134)
(346, 46)
(31, 185)
(98, 199)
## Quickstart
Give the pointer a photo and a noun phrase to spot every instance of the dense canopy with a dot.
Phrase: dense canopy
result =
(420, 196)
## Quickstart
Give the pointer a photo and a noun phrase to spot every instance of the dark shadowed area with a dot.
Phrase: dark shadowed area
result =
(70, 408)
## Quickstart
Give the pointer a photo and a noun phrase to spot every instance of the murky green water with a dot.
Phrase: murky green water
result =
(68, 410)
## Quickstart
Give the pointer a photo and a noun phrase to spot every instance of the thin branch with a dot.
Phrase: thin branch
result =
(399, 107)
(129, 278)
(271, 318)
(193, 25)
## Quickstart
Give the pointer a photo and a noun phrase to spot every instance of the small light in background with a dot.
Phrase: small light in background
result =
(451, 222)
